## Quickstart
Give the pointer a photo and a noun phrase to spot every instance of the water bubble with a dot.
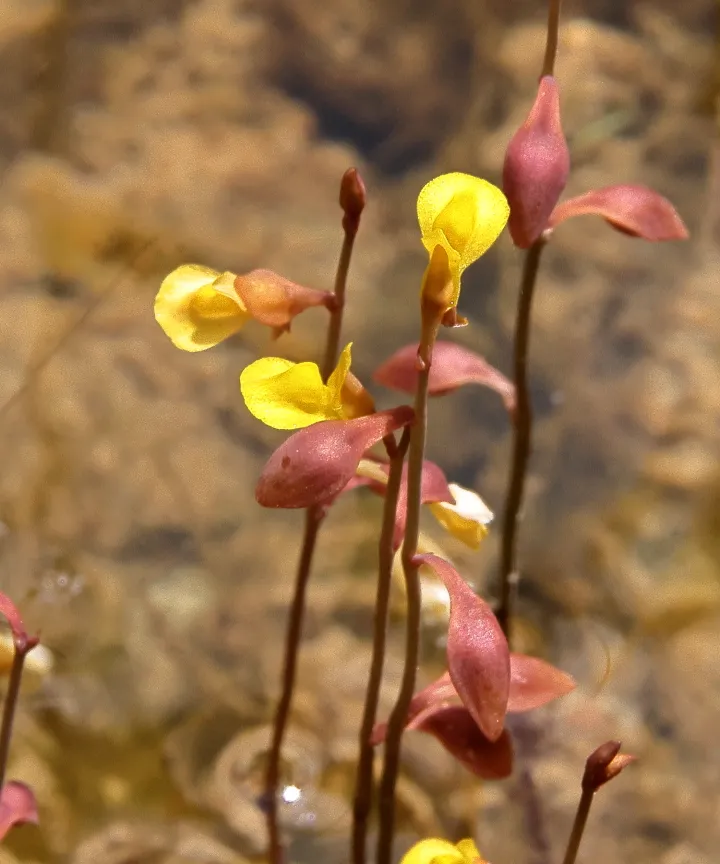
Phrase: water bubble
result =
(59, 586)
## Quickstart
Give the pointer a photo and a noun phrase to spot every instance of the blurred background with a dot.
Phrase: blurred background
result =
(135, 136)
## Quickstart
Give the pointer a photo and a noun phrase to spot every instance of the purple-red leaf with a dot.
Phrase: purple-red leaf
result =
(477, 651)
(537, 164)
(22, 641)
(315, 463)
(452, 367)
(17, 805)
(534, 683)
(632, 209)
(455, 729)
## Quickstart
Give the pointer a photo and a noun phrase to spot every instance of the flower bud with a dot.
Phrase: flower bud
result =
(537, 163)
(353, 198)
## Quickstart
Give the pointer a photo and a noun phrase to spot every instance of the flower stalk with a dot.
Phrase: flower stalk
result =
(352, 201)
(522, 432)
(23, 645)
(364, 777)
(396, 723)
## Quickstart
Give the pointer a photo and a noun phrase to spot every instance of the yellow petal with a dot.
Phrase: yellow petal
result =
(469, 850)
(337, 378)
(371, 470)
(287, 395)
(467, 519)
(433, 851)
(197, 307)
(463, 214)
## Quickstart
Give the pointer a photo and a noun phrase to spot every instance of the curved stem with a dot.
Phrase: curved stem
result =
(551, 43)
(398, 718)
(522, 429)
(22, 648)
(363, 784)
(313, 519)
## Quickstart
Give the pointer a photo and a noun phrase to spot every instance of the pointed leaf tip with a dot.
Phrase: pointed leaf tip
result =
(9, 610)
(536, 168)
(17, 806)
(317, 462)
(477, 651)
(453, 366)
(630, 208)
(534, 683)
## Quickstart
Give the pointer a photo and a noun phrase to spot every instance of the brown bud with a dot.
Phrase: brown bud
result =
(353, 198)
(603, 764)
(537, 163)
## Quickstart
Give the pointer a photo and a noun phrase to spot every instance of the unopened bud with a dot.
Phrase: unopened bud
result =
(353, 198)
(603, 764)
(537, 163)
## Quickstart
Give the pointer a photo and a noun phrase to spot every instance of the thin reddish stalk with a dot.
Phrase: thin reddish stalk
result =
(363, 784)
(313, 519)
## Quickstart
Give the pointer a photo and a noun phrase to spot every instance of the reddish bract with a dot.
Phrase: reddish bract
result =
(452, 367)
(537, 164)
(17, 806)
(456, 730)
(534, 683)
(315, 463)
(477, 651)
(22, 641)
(632, 209)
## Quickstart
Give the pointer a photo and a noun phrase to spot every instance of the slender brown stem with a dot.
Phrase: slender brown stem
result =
(313, 520)
(522, 429)
(551, 43)
(363, 783)
(332, 346)
(396, 723)
(581, 818)
(22, 648)
(352, 202)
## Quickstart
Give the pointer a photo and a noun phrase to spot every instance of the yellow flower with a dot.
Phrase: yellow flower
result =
(464, 216)
(467, 519)
(435, 851)
(198, 307)
(287, 395)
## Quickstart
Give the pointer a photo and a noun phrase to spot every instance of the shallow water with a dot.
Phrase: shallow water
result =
(134, 137)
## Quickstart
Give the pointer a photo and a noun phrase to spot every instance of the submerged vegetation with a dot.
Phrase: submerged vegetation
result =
(340, 441)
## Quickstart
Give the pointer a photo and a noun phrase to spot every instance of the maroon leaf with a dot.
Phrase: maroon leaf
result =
(452, 367)
(533, 683)
(437, 695)
(315, 463)
(537, 164)
(455, 729)
(17, 806)
(10, 611)
(632, 209)
(477, 651)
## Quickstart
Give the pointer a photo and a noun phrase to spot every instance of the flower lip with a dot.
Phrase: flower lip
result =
(462, 214)
(198, 307)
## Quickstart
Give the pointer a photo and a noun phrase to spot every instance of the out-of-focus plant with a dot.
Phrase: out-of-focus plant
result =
(335, 428)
